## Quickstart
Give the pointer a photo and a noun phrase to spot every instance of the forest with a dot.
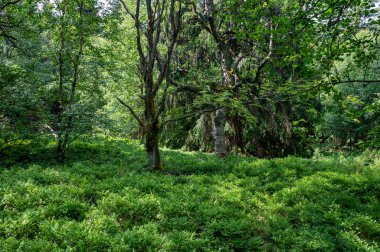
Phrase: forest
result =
(189, 125)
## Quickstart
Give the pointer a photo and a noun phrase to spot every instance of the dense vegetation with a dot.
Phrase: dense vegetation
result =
(194, 125)
(103, 199)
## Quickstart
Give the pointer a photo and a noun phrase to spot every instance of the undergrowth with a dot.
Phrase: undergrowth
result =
(104, 199)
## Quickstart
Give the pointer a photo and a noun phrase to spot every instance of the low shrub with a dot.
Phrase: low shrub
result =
(199, 203)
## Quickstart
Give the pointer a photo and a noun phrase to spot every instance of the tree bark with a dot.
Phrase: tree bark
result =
(152, 128)
(219, 122)
(60, 150)
(220, 118)
(154, 66)
(152, 150)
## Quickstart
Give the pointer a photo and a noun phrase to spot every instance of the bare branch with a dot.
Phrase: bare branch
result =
(354, 81)
(141, 123)
(164, 66)
(127, 9)
(264, 61)
(138, 37)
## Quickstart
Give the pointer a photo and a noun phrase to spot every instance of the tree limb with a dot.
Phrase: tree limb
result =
(141, 123)
(183, 87)
(191, 115)
(127, 9)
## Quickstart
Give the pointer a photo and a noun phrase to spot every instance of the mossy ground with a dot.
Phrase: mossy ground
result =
(104, 199)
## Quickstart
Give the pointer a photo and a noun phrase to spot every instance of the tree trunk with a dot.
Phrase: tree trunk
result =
(61, 155)
(237, 126)
(219, 122)
(154, 65)
(152, 150)
(220, 118)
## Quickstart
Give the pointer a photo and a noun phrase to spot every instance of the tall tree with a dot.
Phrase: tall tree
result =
(265, 48)
(156, 24)
(75, 24)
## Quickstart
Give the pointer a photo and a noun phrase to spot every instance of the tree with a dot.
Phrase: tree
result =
(20, 107)
(157, 24)
(75, 24)
(268, 48)
(7, 20)
(350, 109)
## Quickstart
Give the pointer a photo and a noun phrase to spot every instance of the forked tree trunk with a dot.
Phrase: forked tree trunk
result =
(154, 65)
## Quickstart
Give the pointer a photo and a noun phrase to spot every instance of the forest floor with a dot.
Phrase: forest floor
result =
(103, 199)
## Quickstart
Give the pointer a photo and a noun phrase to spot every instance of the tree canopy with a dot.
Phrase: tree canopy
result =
(264, 78)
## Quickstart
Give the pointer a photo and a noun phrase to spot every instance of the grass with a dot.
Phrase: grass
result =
(103, 199)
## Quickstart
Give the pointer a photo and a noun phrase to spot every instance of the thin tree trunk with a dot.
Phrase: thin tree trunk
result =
(66, 128)
(60, 150)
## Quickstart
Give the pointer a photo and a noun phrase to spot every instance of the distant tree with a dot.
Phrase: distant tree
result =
(351, 115)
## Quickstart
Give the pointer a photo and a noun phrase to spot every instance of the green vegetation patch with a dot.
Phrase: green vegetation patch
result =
(109, 201)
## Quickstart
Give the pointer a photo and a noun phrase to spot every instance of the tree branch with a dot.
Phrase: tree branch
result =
(191, 115)
(141, 123)
(127, 9)
(355, 81)
(183, 87)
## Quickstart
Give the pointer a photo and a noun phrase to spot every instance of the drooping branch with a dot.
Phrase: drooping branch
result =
(187, 116)
(355, 81)
(183, 87)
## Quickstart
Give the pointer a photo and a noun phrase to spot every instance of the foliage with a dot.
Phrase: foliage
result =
(50, 83)
(103, 199)
(258, 78)
(350, 109)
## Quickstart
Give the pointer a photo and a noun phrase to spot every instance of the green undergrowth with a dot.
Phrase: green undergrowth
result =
(104, 199)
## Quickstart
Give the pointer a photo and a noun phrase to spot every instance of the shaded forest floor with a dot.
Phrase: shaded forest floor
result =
(104, 199)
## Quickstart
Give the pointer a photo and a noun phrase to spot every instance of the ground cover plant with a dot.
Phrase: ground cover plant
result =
(105, 199)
